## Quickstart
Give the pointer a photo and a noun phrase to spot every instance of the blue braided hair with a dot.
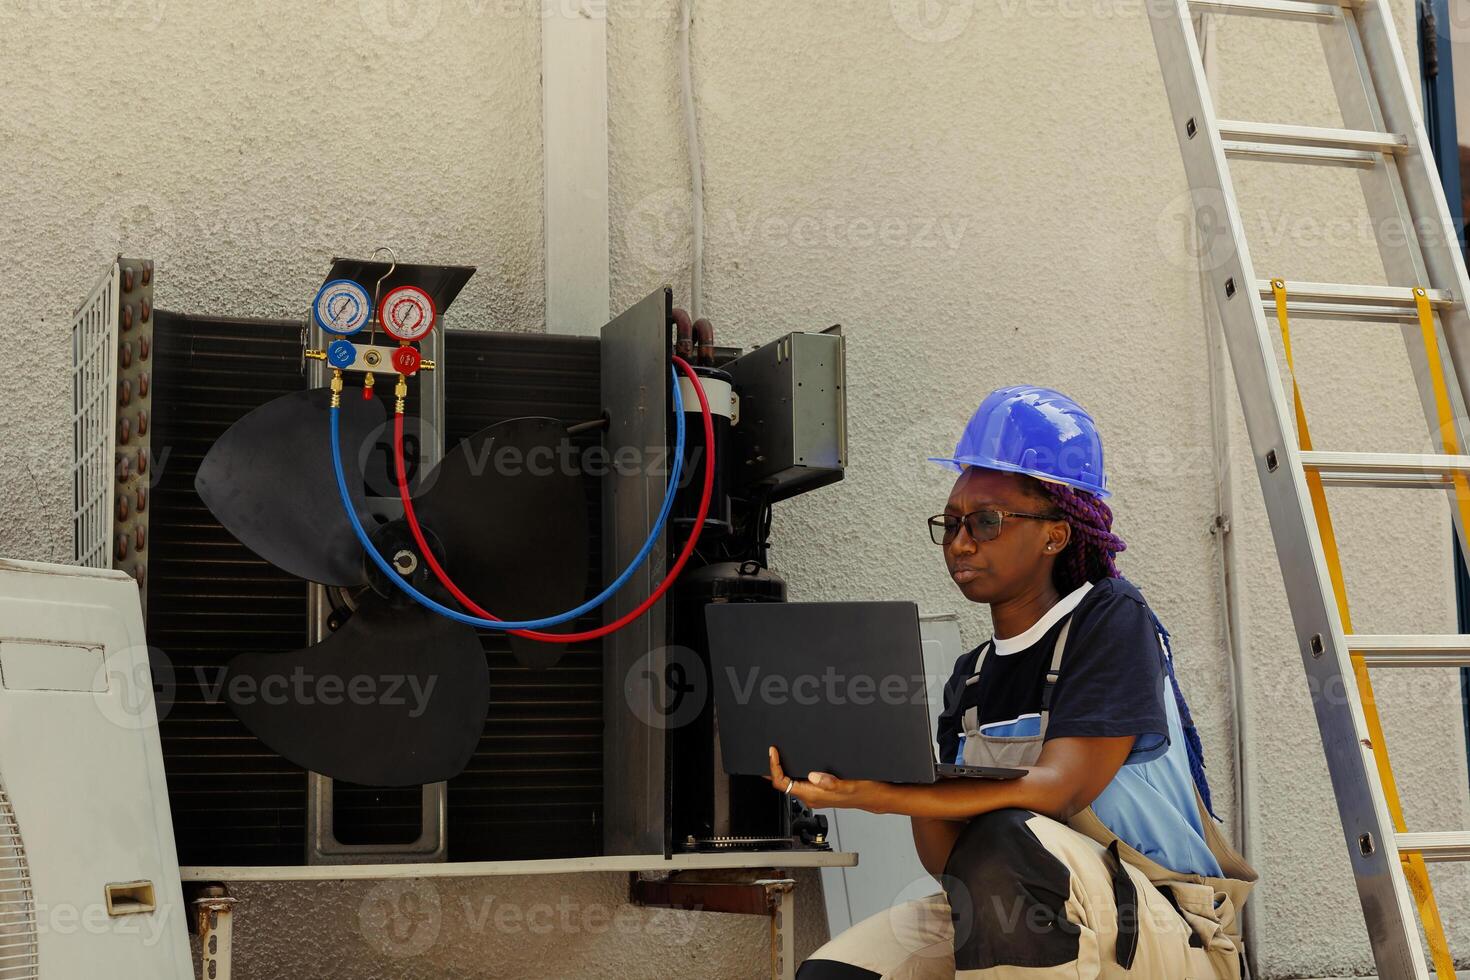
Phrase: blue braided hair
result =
(1089, 558)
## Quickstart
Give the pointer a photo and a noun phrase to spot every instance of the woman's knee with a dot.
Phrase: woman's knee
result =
(912, 940)
(1008, 895)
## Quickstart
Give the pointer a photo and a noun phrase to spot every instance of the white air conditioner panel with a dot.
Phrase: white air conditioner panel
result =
(81, 764)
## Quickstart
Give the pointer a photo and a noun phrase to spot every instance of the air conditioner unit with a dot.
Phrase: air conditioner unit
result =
(89, 877)
(572, 760)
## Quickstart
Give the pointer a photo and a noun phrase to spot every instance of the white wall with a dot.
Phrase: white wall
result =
(981, 194)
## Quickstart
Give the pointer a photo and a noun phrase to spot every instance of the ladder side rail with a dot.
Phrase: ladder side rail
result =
(1436, 234)
(1397, 216)
(1383, 892)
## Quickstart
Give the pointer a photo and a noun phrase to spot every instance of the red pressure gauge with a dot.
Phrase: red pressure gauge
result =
(408, 314)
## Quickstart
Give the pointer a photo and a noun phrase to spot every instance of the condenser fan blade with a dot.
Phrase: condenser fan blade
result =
(510, 507)
(269, 481)
(395, 697)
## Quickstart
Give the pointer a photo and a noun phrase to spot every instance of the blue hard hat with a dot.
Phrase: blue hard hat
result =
(1035, 431)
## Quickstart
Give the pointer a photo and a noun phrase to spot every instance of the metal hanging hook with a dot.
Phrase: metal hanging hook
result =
(378, 288)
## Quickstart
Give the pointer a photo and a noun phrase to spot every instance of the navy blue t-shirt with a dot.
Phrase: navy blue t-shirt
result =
(1111, 683)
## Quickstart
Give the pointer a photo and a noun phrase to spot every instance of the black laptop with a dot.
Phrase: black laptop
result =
(837, 687)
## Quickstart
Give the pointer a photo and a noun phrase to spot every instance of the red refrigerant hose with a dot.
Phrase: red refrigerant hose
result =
(439, 573)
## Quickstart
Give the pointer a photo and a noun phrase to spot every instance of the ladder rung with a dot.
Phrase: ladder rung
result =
(1313, 136)
(1453, 846)
(1287, 153)
(1278, 9)
(1403, 470)
(1432, 650)
(1347, 311)
(1336, 291)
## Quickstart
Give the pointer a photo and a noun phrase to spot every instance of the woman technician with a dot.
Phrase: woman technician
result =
(1103, 860)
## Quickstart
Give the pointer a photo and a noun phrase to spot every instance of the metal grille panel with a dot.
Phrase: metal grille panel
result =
(534, 786)
(19, 959)
(94, 407)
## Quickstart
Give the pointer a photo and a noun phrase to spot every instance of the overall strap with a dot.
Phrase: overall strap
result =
(1055, 670)
(980, 662)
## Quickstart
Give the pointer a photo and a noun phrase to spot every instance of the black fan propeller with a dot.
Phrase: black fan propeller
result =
(397, 695)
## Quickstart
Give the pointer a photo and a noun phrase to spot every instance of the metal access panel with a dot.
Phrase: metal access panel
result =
(635, 395)
(791, 432)
(86, 843)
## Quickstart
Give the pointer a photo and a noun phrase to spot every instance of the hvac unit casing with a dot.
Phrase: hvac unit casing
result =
(568, 764)
(89, 881)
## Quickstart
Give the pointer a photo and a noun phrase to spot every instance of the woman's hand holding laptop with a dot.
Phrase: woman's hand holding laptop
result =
(822, 789)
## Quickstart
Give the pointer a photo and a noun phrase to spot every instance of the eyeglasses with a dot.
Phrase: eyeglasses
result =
(983, 525)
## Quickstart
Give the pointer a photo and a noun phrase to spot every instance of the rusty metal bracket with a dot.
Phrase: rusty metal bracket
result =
(214, 918)
(771, 897)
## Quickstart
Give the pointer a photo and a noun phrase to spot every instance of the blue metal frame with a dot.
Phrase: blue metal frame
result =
(1437, 77)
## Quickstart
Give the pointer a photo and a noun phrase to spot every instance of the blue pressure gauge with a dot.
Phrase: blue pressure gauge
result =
(342, 307)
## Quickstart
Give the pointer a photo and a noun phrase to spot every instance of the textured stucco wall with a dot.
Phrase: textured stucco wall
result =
(980, 194)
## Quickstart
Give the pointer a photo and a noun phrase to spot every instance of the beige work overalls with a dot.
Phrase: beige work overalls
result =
(1132, 917)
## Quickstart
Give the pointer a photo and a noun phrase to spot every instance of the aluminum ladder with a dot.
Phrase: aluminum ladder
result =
(1385, 142)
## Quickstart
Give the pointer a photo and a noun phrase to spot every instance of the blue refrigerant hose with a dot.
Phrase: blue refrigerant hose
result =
(675, 472)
